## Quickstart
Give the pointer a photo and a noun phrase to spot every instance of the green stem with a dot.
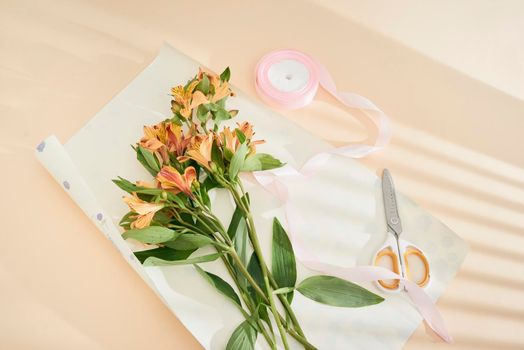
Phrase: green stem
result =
(276, 315)
(282, 298)
(214, 220)
(191, 227)
(287, 307)
(302, 340)
(249, 304)
(247, 275)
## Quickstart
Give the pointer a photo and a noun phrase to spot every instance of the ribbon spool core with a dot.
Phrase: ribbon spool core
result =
(288, 75)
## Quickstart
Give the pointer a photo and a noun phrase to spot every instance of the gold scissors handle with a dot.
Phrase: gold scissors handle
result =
(416, 252)
(402, 261)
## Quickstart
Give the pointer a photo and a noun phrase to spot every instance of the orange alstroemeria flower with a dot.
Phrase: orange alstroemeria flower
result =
(183, 97)
(222, 91)
(229, 139)
(170, 179)
(222, 88)
(177, 141)
(159, 140)
(214, 78)
(200, 150)
(198, 99)
(145, 211)
(155, 140)
(155, 136)
(247, 130)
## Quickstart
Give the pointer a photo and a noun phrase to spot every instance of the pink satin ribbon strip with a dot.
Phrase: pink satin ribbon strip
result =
(274, 180)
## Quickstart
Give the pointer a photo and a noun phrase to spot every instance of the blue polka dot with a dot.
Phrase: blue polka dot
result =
(99, 216)
(66, 185)
(41, 146)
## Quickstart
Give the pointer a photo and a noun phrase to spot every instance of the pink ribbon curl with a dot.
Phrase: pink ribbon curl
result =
(274, 180)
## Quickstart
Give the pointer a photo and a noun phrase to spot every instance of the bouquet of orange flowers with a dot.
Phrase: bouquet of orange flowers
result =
(188, 156)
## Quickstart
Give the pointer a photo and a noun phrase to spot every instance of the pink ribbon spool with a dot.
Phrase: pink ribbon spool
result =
(290, 79)
(300, 89)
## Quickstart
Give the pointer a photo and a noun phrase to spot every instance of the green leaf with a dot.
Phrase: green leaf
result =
(149, 158)
(226, 74)
(125, 185)
(243, 338)
(177, 198)
(151, 234)
(126, 220)
(255, 271)
(210, 183)
(220, 115)
(152, 261)
(213, 107)
(216, 158)
(202, 113)
(237, 231)
(161, 218)
(235, 222)
(222, 103)
(222, 286)
(283, 265)
(337, 292)
(176, 119)
(203, 85)
(189, 241)
(261, 161)
(240, 135)
(140, 157)
(237, 161)
(130, 187)
(228, 154)
(241, 241)
(205, 197)
(262, 313)
(163, 253)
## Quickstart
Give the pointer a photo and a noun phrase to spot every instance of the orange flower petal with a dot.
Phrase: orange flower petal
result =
(140, 206)
(170, 178)
(145, 184)
(151, 144)
(198, 99)
(221, 92)
(143, 220)
(190, 175)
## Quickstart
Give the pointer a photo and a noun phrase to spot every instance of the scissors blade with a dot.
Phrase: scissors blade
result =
(390, 203)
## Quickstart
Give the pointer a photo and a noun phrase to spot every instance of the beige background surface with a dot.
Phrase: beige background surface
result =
(452, 87)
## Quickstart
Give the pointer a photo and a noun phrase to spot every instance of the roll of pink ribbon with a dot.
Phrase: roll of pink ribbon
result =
(287, 79)
(290, 79)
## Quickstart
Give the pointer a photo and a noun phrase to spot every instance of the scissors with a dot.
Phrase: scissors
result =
(398, 253)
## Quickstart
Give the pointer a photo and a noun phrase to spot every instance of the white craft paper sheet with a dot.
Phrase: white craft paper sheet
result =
(341, 206)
